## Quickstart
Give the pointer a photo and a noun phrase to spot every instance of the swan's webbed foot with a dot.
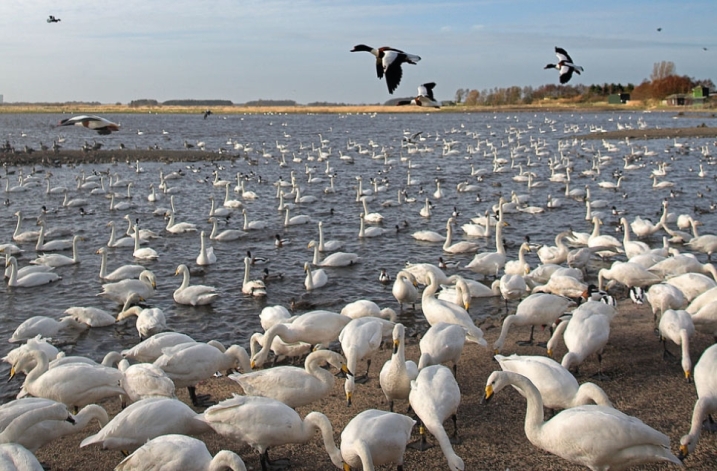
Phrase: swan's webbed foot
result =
(709, 425)
(199, 400)
(525, 343)
(422, 444)
(268, 465)
(600, 376)
(455, 439)
(542, 344)
(361, 379)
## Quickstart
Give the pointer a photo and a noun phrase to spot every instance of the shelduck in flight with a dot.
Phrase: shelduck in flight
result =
(52, 19)
(388, 62)
(565, 65)
(101, 125)
(424, 97)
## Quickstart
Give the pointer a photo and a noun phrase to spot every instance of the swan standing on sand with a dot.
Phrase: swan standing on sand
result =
(374, 438)
(679, 328)
(144, 380)
(442, 343)
(360, 339)
(15, 430)
(706, 385)
(404, 289)
(595, 436)
(397, 373)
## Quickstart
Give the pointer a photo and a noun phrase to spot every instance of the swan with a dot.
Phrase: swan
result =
(181, 453)
(36, 343)
(360, 339)
(374, 438)
(21, 426)
(144, 380)
(122, 242)
(14, 457)
(365, 232)
(253, 225)
(27, 236)
(189, 363)
(119, 291)
(644, 227)
(692, 284)
(477, 230)
(229, 203)
(537, 309)
(490, 263)
(263, 423)
(706, 244)
(144, 253)
(557, 254)
(585, 333)
(226, 235)
(677, 326)
(178, 227)
(121, 273)
(295, 220)
(122, 205)
(46, 431)
(144, 234)
(28, 280)
(442, 343)
(149, 350)
(252, 287)
(149, 321)
(681, 264)
(434, 397)
(595, 436)
(436, 310)
(206, 254)
(397, 373)
(144, 420)
(629, 274)
(51, 245)
(404, 289)
(314, 279)
(338, 259)
(59, 260)
(326, 246)
(609, 243)
(192, 295)
(632, 248)
(69, 203)
(217, 212)
(73, 384)
(314, 327)
(44, 326)
(557, 386)
(520, 266)
(458, 247)
(511, 287)
(373, 218)
(706, 404)
(291, 385)
(420, 272)
(700, 301)
(705, 319)
(365, 308)
(92, 316)
(429, 236)
(562, 286)
(425, 211)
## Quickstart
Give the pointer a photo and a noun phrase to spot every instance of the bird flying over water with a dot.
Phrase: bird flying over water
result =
(101, 125)
(388, 63)
(207, 113)
(52, 19)
(565, 65)
(424, 97)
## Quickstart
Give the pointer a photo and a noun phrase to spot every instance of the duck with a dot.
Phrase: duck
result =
(594, 436)
(292, 385)
(424, 97)
(28, 280)
(314, 279)
(557, 386)
(565, 65)
(206, 254)
(397, 373)
(119, 291)
(442, 342)
(186, 364)
(706, 404)
(186, 453)
(192, 295)
(384, 277)
(144, 420)
(388, 63)
(373, 438)
(537, 309)
(103, 126)
(120, 273)
(434, 397)
(337, 259)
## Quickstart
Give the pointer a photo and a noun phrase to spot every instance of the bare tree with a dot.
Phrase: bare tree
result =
(661, 70)
(472, 98)
(460, 93)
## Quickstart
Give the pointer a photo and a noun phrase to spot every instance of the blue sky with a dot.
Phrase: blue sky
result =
(120, 50)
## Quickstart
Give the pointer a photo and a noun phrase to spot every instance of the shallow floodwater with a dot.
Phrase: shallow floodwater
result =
(253, 147)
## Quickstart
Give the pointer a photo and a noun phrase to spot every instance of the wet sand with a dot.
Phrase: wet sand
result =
(640, 383)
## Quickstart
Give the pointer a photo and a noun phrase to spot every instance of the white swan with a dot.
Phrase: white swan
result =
(151, 349)
(291, 385)
(262, 423)
(149, 321)
(595, 436)
(252, 287)
(360, 339)
(404, 289)
(692, 284)
(490, 263)
(178, 227)
(92, 316)
(337, 259)
(373, 438)
(557, 386)
(121, 242)
(585, 333)
(226, 235)
(557, 254)
(442, 343)
(27, 236)
(677, 326)
(120, 273)
(629, 274)
(206, 254)
(706, 385)
(537, 309)
(143, 253)
(436, 310)
(59, 260)
(182, 453)
(458, 247)
(520, 266)
(144, 380)
(14, 457)
(397, 373)
(681, 264)
(610, 245)
(144, 420)
(434, 397)
(193, 295)
(314, 279)
(366, 232)
(28, 280)
(329, 245)
(22, 424)
(295, 220)
(52, 245)
(252, 225)
(119, 291)
(44, 326)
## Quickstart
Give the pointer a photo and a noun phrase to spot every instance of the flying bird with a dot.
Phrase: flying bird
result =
(424, 97)
(207, 113)
(565, 65)
(388, 63)
(659, 29)
(101, 125)
(52, 19)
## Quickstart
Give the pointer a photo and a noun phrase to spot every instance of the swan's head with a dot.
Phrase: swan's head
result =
(496, 381)
(687, 446)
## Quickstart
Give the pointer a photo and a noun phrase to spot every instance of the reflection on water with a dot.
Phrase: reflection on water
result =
(363, 146)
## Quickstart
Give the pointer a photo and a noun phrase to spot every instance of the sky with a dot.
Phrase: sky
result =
(113, 51)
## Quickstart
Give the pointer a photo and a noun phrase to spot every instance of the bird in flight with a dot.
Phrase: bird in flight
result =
(101, 125)
(52, 19)
(565, 65)
(388, 63)
(659, 29)
(424, 97)
(207, 113)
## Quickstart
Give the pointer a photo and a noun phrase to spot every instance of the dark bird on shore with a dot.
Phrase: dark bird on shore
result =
(424, 97)
(565, 65)
(388, 63)
(101, 125)
(52, 19)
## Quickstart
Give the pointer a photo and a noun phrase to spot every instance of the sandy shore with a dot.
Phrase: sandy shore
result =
(640, 383)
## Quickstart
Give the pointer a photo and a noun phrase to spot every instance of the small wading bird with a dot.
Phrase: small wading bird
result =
(565, 65)
(52, 19)
(424, 97)
(101, 125)
(388, 62)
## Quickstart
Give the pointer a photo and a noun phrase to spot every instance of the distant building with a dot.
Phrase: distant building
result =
(701, 92)
(618, 98)
(679, 99)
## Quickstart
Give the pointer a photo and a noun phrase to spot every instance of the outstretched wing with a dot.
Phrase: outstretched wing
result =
(427, 90)
(562, 55)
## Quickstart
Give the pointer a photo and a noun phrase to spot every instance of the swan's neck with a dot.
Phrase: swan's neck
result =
(103, 265)
(312, 367)
(362, 230)
(40, 238)
(321, 238)
(19, 425)
(553, 341)
(19, 222)
(685, 346)
(449, 235)
(214, 229)
(626, 229)
(588, 393)
(699, 414)
(136, 238)
(226, 193)
(170, 222)
(246, 222)
(246, 270)
(203, 245)
(112, 236)
(498, 345)
(13, 273)
(430, 290)
(534, 418)
(75, 257)
(499, 238)
(41, 366)
(309, 279)
(317, 420)
(316, 255)
(596, 228)
(286, 218)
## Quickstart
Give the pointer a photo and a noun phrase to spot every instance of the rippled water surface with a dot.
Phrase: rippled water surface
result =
(253, 146)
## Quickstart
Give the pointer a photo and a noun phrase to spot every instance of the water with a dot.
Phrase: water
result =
(234, 317)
